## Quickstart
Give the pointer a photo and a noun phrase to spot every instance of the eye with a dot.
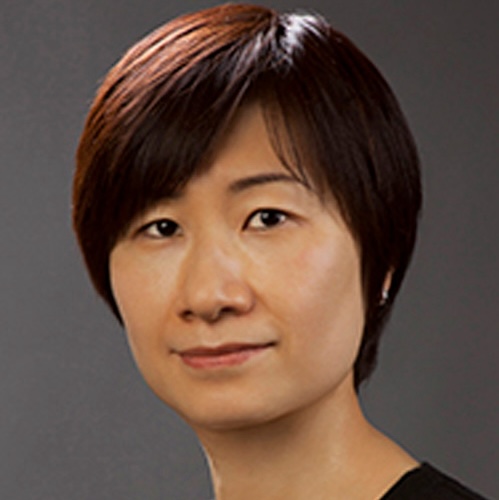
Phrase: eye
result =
(162, 228)
(266, 218)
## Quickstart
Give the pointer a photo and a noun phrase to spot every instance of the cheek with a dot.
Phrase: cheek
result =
(126, 284)
(323, 305)
(140, 283)
(140, 293)
(325, 276)
(143, 298)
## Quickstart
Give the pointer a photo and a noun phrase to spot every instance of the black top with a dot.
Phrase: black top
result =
(427, 483)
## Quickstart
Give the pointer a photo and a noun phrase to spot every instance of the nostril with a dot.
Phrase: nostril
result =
(227, 310)
(187, 315)
(217, 313)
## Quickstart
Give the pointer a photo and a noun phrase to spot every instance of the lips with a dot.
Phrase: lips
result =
(222, 356)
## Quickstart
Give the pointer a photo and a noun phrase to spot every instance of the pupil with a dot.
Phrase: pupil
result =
(270, 217)
(166, 227)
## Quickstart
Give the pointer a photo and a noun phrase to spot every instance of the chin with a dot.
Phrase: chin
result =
(228, 417)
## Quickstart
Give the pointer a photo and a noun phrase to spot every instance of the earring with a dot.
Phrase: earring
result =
(384, 297)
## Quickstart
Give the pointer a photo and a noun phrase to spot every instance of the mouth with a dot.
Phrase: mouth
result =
(222, 356)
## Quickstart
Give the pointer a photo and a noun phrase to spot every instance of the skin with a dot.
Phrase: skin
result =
(242, 301)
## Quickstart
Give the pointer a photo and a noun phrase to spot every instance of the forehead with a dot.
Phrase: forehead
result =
(243, 159)
(245, 143)
(256, 138)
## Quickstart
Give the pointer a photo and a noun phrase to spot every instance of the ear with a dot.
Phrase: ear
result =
(387, 284)
(385, 291)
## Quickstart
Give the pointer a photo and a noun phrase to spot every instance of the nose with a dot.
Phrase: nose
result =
(213, 285)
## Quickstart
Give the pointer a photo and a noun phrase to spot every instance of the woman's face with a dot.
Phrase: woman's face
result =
(241, 296)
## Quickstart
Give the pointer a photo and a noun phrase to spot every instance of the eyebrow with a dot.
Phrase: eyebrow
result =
(256, 180)
(244, 183)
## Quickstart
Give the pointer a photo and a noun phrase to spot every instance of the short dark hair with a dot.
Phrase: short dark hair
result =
(330, 114)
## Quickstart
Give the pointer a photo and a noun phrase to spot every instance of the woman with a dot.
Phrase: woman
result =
(246, 199)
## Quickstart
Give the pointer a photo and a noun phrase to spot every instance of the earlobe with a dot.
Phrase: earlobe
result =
(385, 291)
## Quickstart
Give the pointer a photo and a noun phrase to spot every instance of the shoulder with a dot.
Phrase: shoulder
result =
(426, 482)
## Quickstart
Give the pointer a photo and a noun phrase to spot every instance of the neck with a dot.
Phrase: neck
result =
(327, 450)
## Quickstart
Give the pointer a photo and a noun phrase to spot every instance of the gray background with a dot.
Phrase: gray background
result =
(77, 422)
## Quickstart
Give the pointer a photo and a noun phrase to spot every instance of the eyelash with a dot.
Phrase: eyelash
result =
(154, 227)
(167, 228)
(282, 217)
